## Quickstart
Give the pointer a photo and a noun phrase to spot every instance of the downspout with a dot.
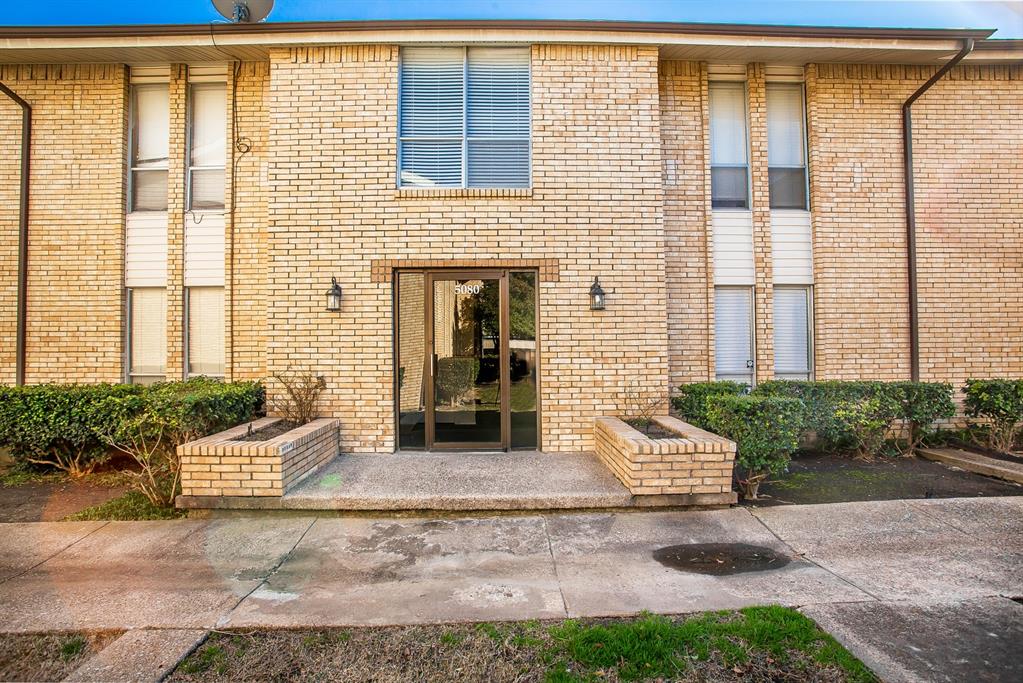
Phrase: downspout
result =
(26, 146)
(907, 167)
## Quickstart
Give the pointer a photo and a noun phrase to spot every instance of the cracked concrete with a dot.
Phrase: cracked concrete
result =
(849, 561)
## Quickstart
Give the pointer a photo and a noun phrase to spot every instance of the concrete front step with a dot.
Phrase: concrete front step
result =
(975, 462)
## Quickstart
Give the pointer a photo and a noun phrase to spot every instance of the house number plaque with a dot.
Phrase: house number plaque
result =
(468, 289)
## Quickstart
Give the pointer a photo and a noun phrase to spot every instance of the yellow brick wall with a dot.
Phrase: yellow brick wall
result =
(76, 224)
(968, 146)
(595, 206)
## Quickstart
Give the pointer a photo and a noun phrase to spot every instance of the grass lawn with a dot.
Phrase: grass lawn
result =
(47, 656)
(132, 506)
(753, 644)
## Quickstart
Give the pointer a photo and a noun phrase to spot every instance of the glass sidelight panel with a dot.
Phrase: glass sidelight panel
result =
(522, 358)
(411, 360)
(466, 362)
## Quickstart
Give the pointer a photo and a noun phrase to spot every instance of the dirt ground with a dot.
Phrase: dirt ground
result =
(51, 497)
(47, 656)
(819, 478)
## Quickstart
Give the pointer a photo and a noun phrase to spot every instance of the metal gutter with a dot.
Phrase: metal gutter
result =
(26, 148)
(759, 30)
(907, 167)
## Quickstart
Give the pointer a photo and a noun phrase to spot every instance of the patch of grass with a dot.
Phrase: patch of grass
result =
(72, 647)
(47, 656)
(757, 643)
(20, 474)
(132, 506)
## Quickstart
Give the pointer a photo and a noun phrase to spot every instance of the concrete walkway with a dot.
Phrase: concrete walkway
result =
(849, 560)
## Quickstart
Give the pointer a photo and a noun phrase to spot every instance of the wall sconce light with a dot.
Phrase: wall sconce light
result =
(596, 296)
(334, 296)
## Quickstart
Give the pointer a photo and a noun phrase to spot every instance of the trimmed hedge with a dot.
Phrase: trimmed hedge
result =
(1000, 402)
(690, 400)
(56, 424)
(765, 429)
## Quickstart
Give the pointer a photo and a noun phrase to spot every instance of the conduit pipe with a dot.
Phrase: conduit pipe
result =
(907, 166)
(26, 146)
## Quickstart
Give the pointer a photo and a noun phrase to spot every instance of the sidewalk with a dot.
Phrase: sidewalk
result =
(305, 571)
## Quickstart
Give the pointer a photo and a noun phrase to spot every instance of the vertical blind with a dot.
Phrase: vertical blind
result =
(150, 140)
(733, 335)
(464, 118)
(207, 146)
(792, 332)
(728, 145)
(786, 145)
(206, 331)
(148, 334)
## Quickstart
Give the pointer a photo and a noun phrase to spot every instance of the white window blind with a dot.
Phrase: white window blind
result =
(464, 118)
(786, 145)
(206, 331)
(207, 145)
(148, 347)
(728, 146)
(792, 324)
(733, 333)
(150, 128)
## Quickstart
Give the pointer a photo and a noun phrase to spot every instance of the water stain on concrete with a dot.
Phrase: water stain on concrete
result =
(720, 559)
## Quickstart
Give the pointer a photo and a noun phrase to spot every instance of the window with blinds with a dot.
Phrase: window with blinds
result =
(206, 331)
(207, 146)
(729, 150)
(786, 145)
(733, 333)
(147, 344)
(793, 324)
(150, 135)
(464, 117)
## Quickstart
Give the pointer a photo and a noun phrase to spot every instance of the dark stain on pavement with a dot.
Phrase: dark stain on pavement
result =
(720, 559)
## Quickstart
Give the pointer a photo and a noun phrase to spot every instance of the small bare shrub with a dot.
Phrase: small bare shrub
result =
(298, 396)
(641, 405)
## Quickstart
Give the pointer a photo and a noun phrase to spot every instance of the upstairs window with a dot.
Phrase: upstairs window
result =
(464, 117)
(786, 145)
(150, 134)
(729, 155)
(207, 150)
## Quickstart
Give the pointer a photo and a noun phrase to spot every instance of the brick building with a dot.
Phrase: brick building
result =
(737, 190)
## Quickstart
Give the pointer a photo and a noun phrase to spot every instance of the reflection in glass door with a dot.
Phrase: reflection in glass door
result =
(466, 360)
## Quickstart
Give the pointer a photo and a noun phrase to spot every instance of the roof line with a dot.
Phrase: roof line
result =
(772, 30)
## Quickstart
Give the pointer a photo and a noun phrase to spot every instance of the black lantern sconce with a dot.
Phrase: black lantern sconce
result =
(596, 296)
(334, 296)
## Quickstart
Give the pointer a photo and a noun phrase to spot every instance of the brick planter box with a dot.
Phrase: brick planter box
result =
(218, 466)
(694, 469)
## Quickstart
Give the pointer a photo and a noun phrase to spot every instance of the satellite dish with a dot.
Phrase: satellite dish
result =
(244, 11)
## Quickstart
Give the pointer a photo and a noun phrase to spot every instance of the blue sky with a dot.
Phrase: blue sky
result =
(1004, 15)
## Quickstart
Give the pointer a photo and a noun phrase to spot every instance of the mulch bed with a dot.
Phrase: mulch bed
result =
(47, 656)
(269, 432)
(824, 478)
(653, 430)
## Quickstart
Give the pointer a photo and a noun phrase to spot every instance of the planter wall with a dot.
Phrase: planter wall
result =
(696, 466)
(219, 465)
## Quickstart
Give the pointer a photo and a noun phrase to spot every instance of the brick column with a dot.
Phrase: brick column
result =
(760, 203)
(707, 217)
(230, 156)
(812, 158)
(177, 166)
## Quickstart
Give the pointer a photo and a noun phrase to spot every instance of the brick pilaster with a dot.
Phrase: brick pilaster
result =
(760, 203)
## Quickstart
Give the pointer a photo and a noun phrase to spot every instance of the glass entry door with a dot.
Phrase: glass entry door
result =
(467, 346)
(466, 351)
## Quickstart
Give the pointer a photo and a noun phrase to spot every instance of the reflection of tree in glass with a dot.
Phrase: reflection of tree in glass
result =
(456, 376)
(522, 295)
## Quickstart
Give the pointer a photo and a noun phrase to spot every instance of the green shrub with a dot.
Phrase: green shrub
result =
(56, 424)
(921, 404)
(765, 429)
(690, 400)
(150, 425)
(868, 419)
(456, 375)
(1000, 402)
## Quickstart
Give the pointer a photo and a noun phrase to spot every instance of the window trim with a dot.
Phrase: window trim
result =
(189, 127)
(132, 144)
(810, 327)
(465, 138)
(752, 332)
(129, 340)
(186, 308)
(749, 148)
(805, 124)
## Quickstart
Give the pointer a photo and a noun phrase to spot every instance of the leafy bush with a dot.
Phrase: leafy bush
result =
(921, 404)
(1000, 402)
(150, 425)
(690, 400)
(456, 375)
(56, 424)
(765, 429)
(868, 419)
